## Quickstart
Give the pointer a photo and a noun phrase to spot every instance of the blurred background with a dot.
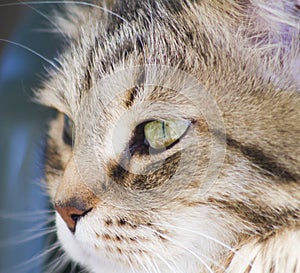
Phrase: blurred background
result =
(23, 126)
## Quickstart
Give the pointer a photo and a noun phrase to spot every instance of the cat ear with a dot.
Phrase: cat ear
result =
(75, 16)
(69, 22)
(275, 20)
(275, 26)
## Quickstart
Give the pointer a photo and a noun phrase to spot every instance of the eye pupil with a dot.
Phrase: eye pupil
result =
(69, 131)
(161, 135)
(153, 137)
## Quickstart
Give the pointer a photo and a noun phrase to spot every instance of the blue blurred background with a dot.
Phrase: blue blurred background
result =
(23, 126)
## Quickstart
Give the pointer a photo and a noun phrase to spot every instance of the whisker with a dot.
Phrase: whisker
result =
(32, 51)
(156, 266)
(151, 264)
(204, 236)
(40, 229)
(73, 268)
(27, 216)
(141, 263)
(83, 4)
(137, 258)
(27, 265)
(58, 264)
(55, 264)
(182, 246)
(41, 233)
(83, 271)
(47, 18)
(130, 264)
(22, 240)
(40, 225)
(160, 257)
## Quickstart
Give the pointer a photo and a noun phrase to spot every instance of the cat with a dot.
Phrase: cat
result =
(176, 143)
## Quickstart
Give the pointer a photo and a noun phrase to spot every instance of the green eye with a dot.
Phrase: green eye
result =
(69, 131)
(162, 134)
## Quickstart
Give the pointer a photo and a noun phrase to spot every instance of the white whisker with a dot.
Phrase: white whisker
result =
(73, 268)
(181, 246)
(160, 257)
(141, 263)
(59, 263)
(41, 224)
(26, 216)
(17, 240)
(204, 236)
(156, 266)
(151, 264)
(82, 3)
(47, 18)
(27, 265)
(39, 230)
(130, 264)
(32, 51)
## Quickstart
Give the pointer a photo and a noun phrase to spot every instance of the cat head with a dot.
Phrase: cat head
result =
(161, 155)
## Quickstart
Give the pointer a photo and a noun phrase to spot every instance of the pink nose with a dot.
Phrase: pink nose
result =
(71, 215)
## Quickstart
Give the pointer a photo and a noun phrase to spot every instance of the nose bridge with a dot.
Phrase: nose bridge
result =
(73, 198)
(73, 190)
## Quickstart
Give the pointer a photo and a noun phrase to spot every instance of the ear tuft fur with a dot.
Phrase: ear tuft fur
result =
(78, 14)
(275, 26)
(69, 22)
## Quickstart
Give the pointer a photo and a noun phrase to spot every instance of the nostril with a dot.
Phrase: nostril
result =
(75, 217)
(71, 215)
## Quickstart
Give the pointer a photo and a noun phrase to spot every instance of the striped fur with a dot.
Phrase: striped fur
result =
(226, 197)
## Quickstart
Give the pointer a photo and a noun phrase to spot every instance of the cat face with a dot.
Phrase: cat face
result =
(164, 155)
(129, 175)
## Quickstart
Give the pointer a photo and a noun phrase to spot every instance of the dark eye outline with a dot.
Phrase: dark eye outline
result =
(68, 131)
(139, 144)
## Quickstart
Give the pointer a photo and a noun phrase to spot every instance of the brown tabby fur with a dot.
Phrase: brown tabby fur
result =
(245, 55)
